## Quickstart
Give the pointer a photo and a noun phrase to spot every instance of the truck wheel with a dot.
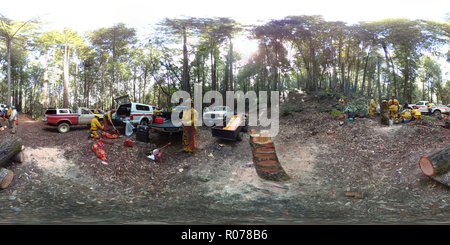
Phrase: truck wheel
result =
(144, 122)
(436, 112)
(240, 136)
(63, 128)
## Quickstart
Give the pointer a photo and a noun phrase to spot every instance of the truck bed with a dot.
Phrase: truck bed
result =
(166, 126)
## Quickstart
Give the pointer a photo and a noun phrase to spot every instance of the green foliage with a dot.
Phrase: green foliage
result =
(322, 95)
(335, 112)
(287, 108)
(359, 105)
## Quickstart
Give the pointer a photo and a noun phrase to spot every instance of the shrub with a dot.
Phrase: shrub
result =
(359, 105)
(287, 108)
(335, 112)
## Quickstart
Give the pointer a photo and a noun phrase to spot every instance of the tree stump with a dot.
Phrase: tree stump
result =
(265, 158)
(437, 165)
(9, 148)
(384, 113)
(6, 177)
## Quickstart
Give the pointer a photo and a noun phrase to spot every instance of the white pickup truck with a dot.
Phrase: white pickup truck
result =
(435, 109)
(217, 115)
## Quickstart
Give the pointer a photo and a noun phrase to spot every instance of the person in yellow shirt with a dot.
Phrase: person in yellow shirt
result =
(417, 113)
(8, 112)
(405, 115)
(393, 109)
(341, 100)
(108, 117)
(429, 108)
(95, 125)
(372, 106)
(189, 119)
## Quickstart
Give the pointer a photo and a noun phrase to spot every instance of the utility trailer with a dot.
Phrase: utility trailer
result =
(233, 130)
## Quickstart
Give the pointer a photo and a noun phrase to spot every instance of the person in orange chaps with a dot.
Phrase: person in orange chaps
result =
(190, 117)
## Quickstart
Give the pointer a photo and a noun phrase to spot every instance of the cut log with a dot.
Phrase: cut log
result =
(9, 148)
(19, 157)
(265, 158)
(437, 165)
(6, 177)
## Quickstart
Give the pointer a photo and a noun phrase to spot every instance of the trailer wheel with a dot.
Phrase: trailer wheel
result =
(240, 136)
(63, 128)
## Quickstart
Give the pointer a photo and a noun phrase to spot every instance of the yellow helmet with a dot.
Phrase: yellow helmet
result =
(97, 115)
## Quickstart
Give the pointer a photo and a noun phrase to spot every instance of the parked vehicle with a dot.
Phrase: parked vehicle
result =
(136, 113)
(98, 111)
(168, 124)
(66, 118)
(217, 115)
(59, 111)
(2, 105)
(435, 109)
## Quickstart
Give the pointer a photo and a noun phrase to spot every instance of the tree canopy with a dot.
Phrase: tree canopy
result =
(62, 68)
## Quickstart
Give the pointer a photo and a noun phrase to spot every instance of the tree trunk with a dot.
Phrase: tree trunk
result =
(9, 148)
(437, 165)
(265, 159)
(384, 113)
(6, 177)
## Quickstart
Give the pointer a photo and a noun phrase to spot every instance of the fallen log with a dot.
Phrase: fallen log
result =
(19, 157)
(437, 165)
(9, 148)
(6, 177)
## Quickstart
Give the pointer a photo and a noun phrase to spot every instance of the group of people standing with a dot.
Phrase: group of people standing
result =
(406, 113)
(10, 115)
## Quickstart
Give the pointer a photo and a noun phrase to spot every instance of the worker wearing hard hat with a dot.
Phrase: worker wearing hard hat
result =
(189, 119)
(393, 109)
(341, 100)
(95, 125)
(372, 106)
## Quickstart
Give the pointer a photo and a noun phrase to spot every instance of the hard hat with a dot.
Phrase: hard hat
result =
(97, 115)
(189, 101)
(13, 107)
(393, 95)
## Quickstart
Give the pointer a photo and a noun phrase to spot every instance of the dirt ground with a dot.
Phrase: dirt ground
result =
(62, 180)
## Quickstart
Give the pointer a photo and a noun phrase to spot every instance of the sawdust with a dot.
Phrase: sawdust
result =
(53, 162)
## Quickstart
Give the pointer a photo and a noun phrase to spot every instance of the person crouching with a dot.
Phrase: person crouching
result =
(95, 125)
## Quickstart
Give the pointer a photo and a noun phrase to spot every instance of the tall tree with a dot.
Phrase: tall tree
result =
(113, 39)
(15, 29)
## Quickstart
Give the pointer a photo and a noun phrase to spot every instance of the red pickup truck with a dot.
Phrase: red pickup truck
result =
(65, 118)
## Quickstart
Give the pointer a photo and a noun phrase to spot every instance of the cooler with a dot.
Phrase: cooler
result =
(142, 133)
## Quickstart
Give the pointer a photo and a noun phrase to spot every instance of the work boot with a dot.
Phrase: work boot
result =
(189, 154)
(183, 151)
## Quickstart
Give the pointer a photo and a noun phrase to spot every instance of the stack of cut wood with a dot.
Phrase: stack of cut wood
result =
(265, 157)
(10, 149)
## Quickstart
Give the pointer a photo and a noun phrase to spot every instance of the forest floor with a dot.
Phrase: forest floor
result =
(62, 181)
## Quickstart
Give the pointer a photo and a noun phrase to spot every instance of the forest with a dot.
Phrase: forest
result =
(44, 68)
